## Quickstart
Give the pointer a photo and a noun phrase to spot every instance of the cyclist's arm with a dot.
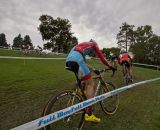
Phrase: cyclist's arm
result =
(130, 58)
(119, 59)
(101, 56)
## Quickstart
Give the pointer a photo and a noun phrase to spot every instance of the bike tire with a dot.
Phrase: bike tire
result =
(53, 106)
(109, 105)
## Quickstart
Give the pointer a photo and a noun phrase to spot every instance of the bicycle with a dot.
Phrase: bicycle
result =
(127, 76)
(68, 98)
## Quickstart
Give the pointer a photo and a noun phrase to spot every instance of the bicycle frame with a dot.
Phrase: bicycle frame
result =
(100, 82)
(98, 87)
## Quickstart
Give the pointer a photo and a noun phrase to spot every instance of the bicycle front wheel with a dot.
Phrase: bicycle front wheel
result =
(109, 105)
(63, 100)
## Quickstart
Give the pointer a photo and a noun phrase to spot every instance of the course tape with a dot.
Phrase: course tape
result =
(43, 121)
(158, 67)
(30, 58)
(37, 58)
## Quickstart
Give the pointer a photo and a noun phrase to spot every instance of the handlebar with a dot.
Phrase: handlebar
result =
(98, 72)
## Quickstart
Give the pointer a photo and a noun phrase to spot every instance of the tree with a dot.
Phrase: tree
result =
(125, 36)
(114, 50)
(27, 42)
(57, 32)
(49, 45)
(147, 45)
(74, 41)
(3, 41)
(106, 52)
(18, 41)
(140, 47)
(154, 46)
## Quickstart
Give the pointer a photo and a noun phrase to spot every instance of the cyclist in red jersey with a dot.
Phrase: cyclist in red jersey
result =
(124, 58)
(78, 54)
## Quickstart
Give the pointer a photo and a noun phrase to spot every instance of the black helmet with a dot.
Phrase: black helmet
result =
(91, 40)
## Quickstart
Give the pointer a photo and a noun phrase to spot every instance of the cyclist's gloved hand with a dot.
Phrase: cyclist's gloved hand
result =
(96, 71)
(113, 68)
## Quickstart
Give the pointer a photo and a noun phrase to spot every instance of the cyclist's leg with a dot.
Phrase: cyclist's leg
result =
(89, 94)
(86, 77)
(128, 67)
(123, 68)
(89, 88)
(89, 84)
(130, 73)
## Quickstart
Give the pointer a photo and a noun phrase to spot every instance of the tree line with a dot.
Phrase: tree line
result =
(18, 42)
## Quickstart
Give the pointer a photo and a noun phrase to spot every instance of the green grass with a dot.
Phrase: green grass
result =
(30, 54)
(26, 88)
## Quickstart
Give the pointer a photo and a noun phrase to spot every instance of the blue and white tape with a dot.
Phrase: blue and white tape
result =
(46, 120)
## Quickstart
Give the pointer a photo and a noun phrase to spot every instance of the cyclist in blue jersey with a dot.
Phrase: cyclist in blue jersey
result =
(78, 54)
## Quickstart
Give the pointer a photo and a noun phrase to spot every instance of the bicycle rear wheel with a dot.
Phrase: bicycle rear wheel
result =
(109, 105)
(63, 100)
(125, 72)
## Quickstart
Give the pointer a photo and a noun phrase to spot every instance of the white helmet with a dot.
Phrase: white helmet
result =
(122, 51)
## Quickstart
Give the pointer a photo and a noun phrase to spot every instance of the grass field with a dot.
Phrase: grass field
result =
(30, 54)
(26, 88)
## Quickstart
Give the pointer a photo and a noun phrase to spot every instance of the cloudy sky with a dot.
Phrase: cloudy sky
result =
(96, 19)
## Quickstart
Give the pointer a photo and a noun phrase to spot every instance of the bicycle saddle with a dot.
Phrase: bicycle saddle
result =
(72, 66)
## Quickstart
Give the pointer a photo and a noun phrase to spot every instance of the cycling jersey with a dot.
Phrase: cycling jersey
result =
(124, 57)
(78, 53)
(86, 48)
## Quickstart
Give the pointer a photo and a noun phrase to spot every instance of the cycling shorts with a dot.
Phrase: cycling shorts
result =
(127, 64)
(83, 71)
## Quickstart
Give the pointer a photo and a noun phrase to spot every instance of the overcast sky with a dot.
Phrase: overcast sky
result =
(96, 19)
